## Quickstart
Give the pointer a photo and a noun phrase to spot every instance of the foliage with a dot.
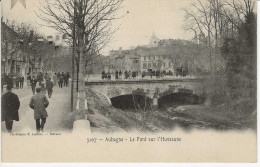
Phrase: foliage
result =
(228, 29)
(240, 56)
(143, 104)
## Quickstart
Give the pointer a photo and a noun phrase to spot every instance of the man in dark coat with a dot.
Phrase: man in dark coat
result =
(64, 78)
(21, 81)
(60, 80)
(143, 74)
(10, 106)
(39, 103)
(116, 74)
(49, 86)
(40, 78)
(33, 84)
(9, 80)
(103, 74)
(120, 74)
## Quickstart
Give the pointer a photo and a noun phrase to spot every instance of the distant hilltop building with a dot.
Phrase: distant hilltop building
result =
(153, 41)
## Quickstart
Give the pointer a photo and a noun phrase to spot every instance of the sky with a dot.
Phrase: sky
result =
(164, 18)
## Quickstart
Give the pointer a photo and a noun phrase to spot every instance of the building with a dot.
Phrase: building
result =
(153, 41)
(164, 55)
(125, 60)
(13, 58)
(151, 59)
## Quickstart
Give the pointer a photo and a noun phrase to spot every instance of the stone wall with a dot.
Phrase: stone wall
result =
(152, 89)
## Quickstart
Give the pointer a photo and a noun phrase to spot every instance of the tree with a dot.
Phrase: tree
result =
(199, 20)
(240, 56)
(143, 105)
(224, 27)
(92, 18)
(14, 37)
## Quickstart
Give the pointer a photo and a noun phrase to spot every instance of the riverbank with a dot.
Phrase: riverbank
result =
(107, 119)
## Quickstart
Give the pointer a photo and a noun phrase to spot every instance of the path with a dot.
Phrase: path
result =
(58, 108)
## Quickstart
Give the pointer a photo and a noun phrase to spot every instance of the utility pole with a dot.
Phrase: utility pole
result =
(73, 57)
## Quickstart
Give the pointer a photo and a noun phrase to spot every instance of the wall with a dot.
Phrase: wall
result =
(153, 89)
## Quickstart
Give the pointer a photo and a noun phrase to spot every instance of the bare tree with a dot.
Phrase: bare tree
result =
(14, 37)
(212, 21)
(92, 18)
(143, 105)
(199, 20)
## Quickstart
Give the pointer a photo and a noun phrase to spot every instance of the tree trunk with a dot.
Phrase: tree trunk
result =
(6, 58)
(81, 61)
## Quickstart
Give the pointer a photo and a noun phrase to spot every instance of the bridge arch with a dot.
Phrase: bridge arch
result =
(179, 98)
(131, 101)
(154, 89)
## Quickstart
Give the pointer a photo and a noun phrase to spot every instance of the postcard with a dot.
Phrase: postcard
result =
(126, 81)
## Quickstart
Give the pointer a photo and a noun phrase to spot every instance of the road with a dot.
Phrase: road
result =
(58, 111)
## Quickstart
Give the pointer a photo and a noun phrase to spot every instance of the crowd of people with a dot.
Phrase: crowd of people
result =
(119, 74)
(132, 75)
(17, 80)
(156, 73)
(39, 102)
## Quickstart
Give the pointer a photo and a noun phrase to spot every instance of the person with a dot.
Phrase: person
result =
(103, 74)
(3, 81)
(55, 79)
(134, 74)
(126, 75)
(28, 80)
(9, 80)
(129, 74)
(33, 84)
(43, 89)
(164, 73)
(170, 73)
(9, 108)
(39, 103)
(143, 74)
(46, 76)
(49, 86)
(14, 81)
(116, 74)
(40, 78)
(120, 74)
(108, 75)
(63, 78)
(66, 78)
(21, 81)
(17, 81)
(60, 80)
(157, 73)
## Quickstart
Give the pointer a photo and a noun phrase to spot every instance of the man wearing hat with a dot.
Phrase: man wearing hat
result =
(49, 86)
(39, 103)
(33, 84)
(10, 107)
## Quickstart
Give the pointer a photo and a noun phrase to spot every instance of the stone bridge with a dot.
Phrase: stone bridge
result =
(153, 89)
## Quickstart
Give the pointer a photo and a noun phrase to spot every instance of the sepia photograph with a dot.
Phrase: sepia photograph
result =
(129, 81)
